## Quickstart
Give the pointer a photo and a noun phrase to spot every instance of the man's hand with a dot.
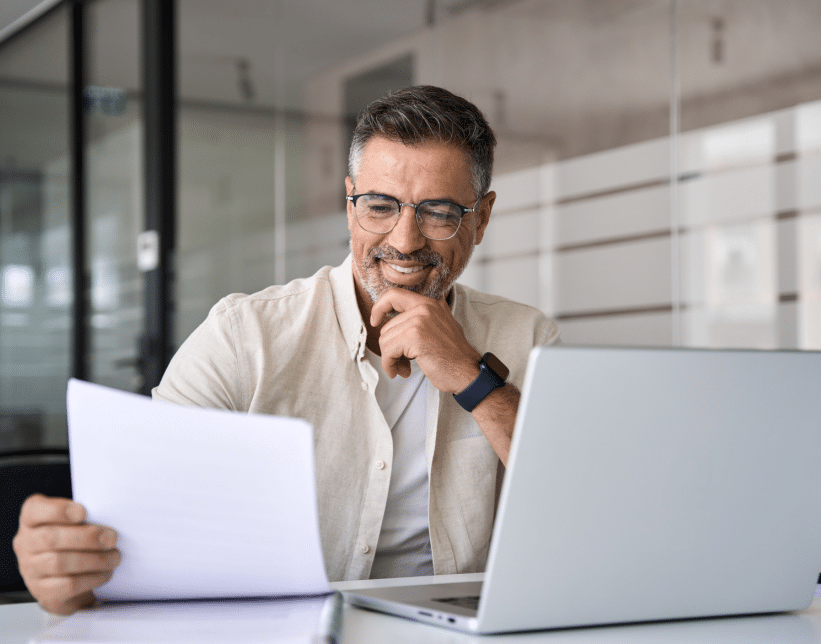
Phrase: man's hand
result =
(62, 558)
(426, 331)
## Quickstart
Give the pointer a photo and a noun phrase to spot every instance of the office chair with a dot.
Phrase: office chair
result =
(24, 472)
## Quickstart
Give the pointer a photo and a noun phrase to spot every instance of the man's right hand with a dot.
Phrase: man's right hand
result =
(61, 558)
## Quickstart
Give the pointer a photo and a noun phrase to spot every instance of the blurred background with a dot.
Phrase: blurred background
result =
(658, 169)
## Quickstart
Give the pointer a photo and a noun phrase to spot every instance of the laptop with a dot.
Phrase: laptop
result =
(644, 485)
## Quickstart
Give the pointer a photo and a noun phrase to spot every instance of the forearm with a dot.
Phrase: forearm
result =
(496, 417)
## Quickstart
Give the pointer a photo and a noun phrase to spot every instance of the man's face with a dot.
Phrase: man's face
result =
(404, 257)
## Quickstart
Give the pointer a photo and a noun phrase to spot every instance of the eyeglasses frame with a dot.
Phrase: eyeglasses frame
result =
(353, 198)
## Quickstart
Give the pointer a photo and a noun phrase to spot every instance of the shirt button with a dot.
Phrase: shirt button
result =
(380, 465)
(365, 386)
(365, 550)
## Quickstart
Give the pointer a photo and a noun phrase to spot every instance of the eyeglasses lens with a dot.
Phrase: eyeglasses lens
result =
(436, 219)
(376, 214)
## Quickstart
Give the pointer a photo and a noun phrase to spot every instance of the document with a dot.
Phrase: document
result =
(247, 620)
(206, 503)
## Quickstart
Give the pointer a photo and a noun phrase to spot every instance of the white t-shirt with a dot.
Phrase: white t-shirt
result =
(404, 547)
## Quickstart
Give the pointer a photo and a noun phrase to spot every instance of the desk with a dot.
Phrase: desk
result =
(20, 622)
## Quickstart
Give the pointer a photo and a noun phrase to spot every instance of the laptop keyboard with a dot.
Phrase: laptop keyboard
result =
(462, 602)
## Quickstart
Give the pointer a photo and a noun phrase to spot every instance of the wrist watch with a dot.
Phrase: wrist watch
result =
(492, 375)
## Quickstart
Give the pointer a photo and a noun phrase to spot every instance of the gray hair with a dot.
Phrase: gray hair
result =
(426, 113)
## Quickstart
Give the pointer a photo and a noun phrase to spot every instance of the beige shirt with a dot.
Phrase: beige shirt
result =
(299, 350)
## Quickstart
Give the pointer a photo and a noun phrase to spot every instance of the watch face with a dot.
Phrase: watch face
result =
(497, 365)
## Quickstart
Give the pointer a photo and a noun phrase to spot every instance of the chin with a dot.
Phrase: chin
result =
(375, 285)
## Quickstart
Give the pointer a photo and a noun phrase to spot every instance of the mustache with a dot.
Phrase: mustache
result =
(422, 256)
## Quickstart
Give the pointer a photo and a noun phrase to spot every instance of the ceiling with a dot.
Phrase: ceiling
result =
(273, 46)
(551, 67)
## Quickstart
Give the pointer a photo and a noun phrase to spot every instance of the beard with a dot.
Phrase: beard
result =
(375, 285)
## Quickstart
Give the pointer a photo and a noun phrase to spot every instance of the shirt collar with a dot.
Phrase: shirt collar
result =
(347, 308)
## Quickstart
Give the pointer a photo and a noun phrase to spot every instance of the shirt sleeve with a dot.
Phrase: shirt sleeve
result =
(204, 372)
(546, 332)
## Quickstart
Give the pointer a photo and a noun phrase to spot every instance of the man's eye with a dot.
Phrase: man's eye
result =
(382, 210)
(440, 214)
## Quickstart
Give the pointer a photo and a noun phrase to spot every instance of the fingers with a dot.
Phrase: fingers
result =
(396, 299)
(46, 538)
(63, 582)
(397, 347)
(425, 331)
(61, 558)
(396, 366)
(40, 510)
(56, 564)
(429, 334)
(78, 588)
(395, 360)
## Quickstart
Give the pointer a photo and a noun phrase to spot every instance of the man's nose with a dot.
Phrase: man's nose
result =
(406, 236)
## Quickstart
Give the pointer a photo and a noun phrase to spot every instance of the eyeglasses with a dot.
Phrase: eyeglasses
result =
(436, 219)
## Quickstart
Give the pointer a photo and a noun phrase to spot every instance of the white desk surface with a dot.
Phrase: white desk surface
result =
(21, 622)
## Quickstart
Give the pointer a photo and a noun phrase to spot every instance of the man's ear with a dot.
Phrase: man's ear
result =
(483, 218)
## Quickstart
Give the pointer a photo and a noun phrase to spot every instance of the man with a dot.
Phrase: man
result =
(408, 469)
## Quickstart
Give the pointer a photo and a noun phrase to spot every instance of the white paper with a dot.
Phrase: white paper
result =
(248, 620)
(206, 503)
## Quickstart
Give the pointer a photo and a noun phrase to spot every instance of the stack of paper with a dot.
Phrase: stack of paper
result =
(206, 503)
(237, 621)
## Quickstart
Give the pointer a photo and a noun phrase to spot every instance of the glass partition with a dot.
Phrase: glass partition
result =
(749, 160)
(115, 191)
(261, 169)
(265, 125)
(656, 168)
(35, 236)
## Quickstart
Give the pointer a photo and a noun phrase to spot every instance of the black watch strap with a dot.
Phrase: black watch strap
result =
(492, 375)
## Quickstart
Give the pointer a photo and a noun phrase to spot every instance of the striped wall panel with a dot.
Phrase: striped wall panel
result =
(589, 240)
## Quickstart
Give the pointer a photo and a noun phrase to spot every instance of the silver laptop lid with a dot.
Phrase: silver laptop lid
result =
(650, 484)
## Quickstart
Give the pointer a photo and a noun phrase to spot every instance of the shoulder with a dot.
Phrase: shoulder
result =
(220, 362)
(478, 298)
(294, 295)
(495, 311)
(495, 306)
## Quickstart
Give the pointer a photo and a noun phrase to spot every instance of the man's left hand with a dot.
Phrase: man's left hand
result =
(426, 331)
